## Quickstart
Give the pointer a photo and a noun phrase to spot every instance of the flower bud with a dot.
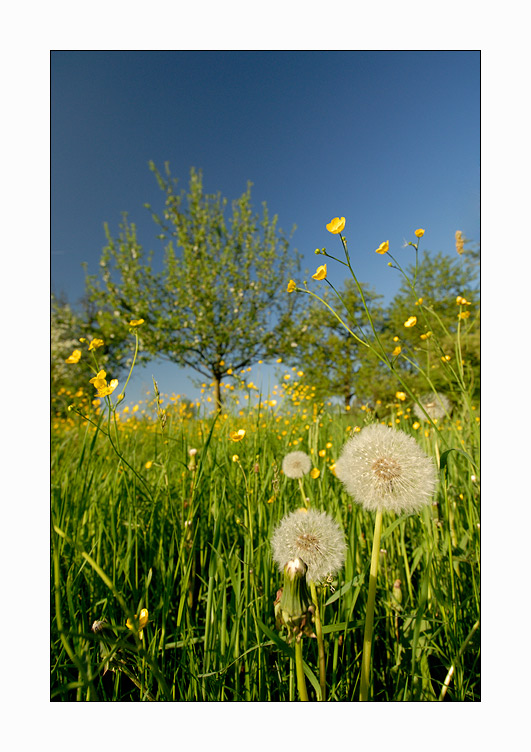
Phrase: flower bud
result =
(294, 608)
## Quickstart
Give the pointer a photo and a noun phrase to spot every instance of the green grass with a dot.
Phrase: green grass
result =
(192, 546)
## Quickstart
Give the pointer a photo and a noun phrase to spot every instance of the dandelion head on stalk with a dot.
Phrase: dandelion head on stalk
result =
(296, 465)
(437, 406)
(384, 469)
(313, 537)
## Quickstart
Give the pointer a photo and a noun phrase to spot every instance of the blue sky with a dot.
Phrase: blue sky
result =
(390, 140)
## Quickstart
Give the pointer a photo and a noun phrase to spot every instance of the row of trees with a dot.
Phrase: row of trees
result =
(215, 301)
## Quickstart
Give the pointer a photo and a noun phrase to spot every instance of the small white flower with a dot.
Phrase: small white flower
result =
(384, 468)
(296, 465)
(313, 537)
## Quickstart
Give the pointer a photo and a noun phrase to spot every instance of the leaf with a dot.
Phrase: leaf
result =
(444, 458)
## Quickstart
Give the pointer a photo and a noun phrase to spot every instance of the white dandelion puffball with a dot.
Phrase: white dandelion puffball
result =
(296, 464)
(384, 468)
(315, 538)
(437, 406)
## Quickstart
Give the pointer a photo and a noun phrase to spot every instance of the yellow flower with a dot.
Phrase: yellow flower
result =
(291, 286)
(416, 425)
(235, 458)
(74, 358)
(95, 343)
(425, 336)
(237, 435)
(148, 464)
(412, 320)
(419, 301)
(419, 233)
(321, 452)
(336, 225)
(464, 315)
(136, 322)
(104, 391)
(383, 247)
(99, 380)
(315, 473)
(445, 358)
(142, 621)
(401, 396)
(320, 273)
(396, 351)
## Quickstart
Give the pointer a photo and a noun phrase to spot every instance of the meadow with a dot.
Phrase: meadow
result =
(163, 582)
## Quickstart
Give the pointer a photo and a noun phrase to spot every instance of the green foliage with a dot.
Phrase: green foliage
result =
(217, 305)
(325, 350)
(67, 329)
(192, 545)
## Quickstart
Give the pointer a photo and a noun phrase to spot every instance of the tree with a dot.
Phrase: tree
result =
(440, 282)
(73, 330)
(328, 354)
(218, 305)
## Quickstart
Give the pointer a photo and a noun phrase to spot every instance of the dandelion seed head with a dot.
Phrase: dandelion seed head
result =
(384, 468)
(437, 405)
(313, 537)
(296, 465)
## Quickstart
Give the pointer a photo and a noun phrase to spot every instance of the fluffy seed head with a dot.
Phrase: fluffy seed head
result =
(437, 406)
(383, 468)
(295, 465)
(313, 537)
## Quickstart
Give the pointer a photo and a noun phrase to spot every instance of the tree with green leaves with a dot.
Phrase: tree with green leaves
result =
(217, 302)
(72, 366)
(446, 330)
(326, 352)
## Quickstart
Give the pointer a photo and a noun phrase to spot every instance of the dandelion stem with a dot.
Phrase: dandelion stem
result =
(301, 681)
(369, 616)
(320, 643)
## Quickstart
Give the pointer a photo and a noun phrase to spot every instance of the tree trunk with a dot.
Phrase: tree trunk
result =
(217, 391)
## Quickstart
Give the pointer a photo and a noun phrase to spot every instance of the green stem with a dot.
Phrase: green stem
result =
(320, 643)
(369, 616)
(301, 681)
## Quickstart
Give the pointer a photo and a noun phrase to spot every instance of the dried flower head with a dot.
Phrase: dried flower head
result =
(384, 468)
(296, 465)
(315, 538)
(437, 406)
(459, 242)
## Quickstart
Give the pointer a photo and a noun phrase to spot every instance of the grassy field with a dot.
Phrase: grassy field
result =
(138, 521)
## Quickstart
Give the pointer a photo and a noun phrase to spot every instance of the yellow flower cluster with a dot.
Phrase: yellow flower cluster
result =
(100, 384)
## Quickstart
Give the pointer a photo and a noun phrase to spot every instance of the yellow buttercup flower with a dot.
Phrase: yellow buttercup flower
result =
(136, 322)
(149, 464)
(315, 473)
(401, 396)
(383, 247)
(412, 320)
(99, 380)
(74, 358)
(464, 315)
(142, 621)
(425, 336)
(291, 286)
(320, 273)
(396, 351)
(336, 225)
(419, 233)
(237, 435)
(95, 343)
(104, 391)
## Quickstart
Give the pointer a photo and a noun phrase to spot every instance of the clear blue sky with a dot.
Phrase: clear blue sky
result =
(390, 140)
